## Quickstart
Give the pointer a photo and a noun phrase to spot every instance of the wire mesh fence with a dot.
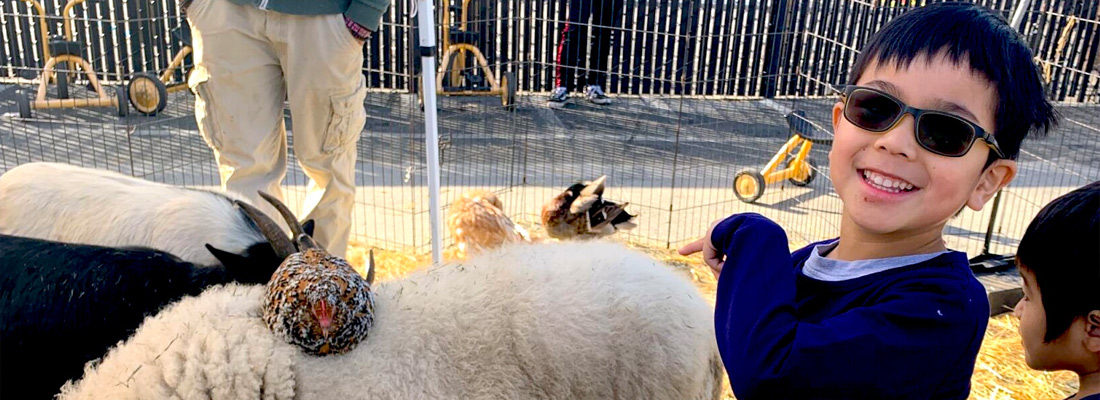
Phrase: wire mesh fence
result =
(699, 88)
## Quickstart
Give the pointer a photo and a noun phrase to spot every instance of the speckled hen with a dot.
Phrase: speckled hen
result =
(316, 300)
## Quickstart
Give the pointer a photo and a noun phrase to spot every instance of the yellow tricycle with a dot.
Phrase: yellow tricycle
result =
(794, 157)
(59, 50)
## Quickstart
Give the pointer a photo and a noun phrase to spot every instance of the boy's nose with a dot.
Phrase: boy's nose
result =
(1016, 311)
(900, 140)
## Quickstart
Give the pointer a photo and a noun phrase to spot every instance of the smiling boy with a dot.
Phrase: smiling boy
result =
(931, 122)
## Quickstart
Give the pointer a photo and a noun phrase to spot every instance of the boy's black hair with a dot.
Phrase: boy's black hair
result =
(1062, 248)
(994, 49)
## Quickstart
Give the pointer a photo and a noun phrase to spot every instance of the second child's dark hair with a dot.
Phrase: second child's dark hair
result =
(1062, 248)
(992, 47)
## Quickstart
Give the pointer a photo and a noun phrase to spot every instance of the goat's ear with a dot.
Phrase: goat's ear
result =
(307, 227)
(227, 259)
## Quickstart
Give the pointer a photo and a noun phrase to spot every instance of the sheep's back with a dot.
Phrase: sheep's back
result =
(213, 346)
(71, 204)
(572, 320)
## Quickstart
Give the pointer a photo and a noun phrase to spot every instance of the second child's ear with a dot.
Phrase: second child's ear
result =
(993, 178)
(1092, 339)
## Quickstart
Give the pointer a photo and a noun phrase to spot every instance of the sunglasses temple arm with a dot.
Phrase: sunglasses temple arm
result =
(993, 145)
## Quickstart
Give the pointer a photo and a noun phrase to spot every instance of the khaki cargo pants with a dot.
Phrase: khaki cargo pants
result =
(247, 61)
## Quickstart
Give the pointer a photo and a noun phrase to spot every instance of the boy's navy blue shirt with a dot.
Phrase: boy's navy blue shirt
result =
(910, 332)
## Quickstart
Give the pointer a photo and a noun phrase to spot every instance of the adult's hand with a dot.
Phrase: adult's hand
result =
(357, 31)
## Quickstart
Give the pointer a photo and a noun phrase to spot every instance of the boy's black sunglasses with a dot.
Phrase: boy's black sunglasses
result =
(936, 131)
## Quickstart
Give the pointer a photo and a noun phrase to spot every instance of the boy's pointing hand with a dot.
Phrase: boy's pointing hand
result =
(750, 233)
(714, 259)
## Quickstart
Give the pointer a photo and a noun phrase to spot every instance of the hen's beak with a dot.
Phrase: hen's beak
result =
(323, 312)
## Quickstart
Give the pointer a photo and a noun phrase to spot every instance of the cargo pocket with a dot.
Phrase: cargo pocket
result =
(347, 120)
(206, 112)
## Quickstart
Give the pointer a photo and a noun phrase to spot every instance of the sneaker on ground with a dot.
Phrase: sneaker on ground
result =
(558, 98)
(596, 95)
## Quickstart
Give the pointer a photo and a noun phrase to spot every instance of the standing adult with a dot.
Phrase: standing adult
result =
(569, 71)
(250, 55)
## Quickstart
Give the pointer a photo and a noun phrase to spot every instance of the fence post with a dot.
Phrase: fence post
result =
(1018, 14)
(1017, 19)
(992, 222)
(427, 50)
(777, 41)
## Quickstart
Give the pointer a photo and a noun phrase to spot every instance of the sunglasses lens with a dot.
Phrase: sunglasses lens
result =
(871, 111)
(944, 134)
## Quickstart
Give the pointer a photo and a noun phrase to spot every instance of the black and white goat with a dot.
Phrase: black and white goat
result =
(72, 204)
(63, 304)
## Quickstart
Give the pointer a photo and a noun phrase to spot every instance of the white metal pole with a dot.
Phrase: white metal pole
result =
(1018, 14)
(426, 16)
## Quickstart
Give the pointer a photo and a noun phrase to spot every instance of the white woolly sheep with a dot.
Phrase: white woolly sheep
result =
(72, 204)
(565, 320)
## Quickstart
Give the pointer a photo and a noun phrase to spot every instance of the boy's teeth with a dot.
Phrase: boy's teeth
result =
(887, 184)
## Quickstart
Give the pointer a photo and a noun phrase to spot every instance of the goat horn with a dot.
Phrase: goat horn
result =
(370, 268)
(291, 220)
(283, 246)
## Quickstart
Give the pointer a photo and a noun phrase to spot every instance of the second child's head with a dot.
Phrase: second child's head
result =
(1059, 259)
(973, 79)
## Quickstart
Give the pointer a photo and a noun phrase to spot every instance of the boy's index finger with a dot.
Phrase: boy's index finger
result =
(693, 247)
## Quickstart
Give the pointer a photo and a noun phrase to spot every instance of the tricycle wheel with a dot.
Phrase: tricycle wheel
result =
(62, 78)
(810, 173)
(147, 93)
(508, 87)
(120, 101)
(748, 185)
(24, 106)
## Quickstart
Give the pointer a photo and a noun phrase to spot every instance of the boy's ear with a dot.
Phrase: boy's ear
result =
(993, 178)
(1092, 338)
(838, 110)
(838, 113)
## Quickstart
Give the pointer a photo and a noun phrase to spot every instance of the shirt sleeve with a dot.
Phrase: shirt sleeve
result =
(907, 342)
(367, 13)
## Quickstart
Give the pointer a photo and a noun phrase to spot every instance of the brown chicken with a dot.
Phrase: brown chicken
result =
(581, 212)
(315, 300)
(477, 222)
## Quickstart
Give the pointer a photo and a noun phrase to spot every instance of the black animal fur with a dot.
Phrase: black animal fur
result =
(62, 305)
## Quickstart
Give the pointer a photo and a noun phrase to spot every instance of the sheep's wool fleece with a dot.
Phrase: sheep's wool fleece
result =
(214, 347)
(287, 311)
(56, 201)
(548, 321)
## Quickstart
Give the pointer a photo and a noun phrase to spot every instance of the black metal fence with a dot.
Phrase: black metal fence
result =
(744, 48)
